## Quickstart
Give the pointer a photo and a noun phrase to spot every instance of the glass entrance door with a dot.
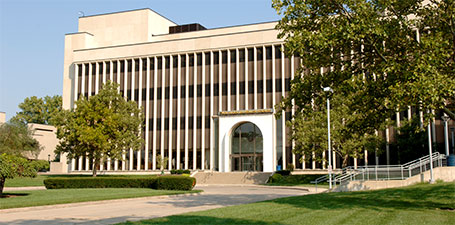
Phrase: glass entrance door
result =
(246, 148)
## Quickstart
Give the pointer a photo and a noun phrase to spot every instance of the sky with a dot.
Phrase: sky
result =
(32, 35)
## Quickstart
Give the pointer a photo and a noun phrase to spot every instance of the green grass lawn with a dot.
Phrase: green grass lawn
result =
(38, 180)
(59, 196)
(417, 204)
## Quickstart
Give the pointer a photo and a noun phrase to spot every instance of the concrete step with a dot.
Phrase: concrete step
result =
(231, 177)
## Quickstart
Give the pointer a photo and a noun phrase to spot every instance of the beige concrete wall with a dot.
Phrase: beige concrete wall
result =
(125, 27)
(2, 117)
(446, 174)
(46, 136)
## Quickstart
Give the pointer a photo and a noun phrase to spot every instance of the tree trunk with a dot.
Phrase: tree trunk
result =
(345, 160)
(95, 167)
(2, 184)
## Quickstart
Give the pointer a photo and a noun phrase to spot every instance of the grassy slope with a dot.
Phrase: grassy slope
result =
(38, 180)
(59, 196)
(418, 204)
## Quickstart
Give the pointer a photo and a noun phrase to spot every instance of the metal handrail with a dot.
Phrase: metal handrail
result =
(384, 172)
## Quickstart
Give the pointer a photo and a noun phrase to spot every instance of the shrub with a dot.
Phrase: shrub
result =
(283, 172)
(276, 177)
(40, 165)
(99, 182)
(183, 183)
(180, 172)
(290, 167)
(155, 182)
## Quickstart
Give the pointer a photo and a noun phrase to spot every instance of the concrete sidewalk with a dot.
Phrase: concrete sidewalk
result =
(114, 211)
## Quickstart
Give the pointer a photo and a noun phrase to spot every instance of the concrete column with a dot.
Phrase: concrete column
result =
(228, 80)
(212, 129)
(163, 99)
(220, 83)
(125, 86)
(264, 79)
(203, 114)
(76, 81)
(187, 91)
(89, 94)
(237, 86)
(179, 83)
(255, 71)
(171, 100)
(293, 112)
(97, 77)
(283, 120)
(147, 115)
(246, 78)
(111, 71)
(133, 82)
(195, 113)
(90, 79)
(155, 99)
(139, 100)
(118, 82)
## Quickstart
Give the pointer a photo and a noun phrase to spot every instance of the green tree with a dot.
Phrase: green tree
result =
(12, 166)
(16, 139)
(383, 55)
(39, 110)
(310, 132)
(395, 53)
(16, 142)
(104, 125)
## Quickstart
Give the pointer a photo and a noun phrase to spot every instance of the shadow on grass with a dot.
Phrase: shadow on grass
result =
(13, 195)
(190, 219)
(417, 197)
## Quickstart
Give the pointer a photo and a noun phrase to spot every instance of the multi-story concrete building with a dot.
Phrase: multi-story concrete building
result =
(208, 95)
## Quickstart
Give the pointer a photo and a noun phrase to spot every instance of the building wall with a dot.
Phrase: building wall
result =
(2, 117)
(47, 138)
(182, 81)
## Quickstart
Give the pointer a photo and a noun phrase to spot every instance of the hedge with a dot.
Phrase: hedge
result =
(180, 172)
(283, 172)
(155, 182)
(293, 179)
(175, 183)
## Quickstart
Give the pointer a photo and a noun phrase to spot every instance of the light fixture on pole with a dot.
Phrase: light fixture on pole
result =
(446, 119)
(328, 89)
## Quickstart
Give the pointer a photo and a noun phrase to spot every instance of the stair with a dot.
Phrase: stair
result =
(231, 177)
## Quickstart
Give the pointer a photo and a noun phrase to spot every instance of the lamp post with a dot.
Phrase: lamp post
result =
(446, 119)
(430, 150)
(452, 130)
(328, 89)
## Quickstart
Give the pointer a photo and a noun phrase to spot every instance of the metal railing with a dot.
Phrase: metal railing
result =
(385, 172)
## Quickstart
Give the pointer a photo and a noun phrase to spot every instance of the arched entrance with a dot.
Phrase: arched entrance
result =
(246, 148)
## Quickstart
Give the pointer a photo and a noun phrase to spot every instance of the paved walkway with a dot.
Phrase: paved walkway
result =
(114, 211)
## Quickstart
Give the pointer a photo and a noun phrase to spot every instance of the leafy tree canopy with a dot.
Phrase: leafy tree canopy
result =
(16, 139)
(14, 166)
(380, 56)
(39, 110)
(104, 125)
(386, 54)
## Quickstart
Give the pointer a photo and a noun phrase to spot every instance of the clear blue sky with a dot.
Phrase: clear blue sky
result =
(32, 35)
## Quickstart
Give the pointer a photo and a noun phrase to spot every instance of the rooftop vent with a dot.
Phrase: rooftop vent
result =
(186, 28)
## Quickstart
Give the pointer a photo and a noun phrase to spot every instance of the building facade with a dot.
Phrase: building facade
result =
(208, 95)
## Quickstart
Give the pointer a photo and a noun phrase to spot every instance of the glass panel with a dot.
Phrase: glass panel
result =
(246, 148)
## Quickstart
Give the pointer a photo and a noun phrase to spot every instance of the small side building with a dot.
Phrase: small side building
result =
(46, 135)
